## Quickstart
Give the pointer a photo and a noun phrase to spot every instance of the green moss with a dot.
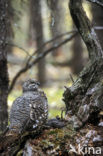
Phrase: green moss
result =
(57, 138)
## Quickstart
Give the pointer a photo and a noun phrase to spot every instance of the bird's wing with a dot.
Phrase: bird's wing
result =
(36, 109)
(38, 113)
(20, 111)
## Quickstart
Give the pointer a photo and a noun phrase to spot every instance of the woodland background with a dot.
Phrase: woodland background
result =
(40, 40)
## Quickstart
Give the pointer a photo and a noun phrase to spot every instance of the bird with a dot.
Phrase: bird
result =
(29, 111)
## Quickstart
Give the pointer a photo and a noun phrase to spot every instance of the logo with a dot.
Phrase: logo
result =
(85, 150)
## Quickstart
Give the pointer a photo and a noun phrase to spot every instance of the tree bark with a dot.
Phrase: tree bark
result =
(56, 23)
(84, 98)
(38, 29)
(3, 65)
(77, 61)
(97, 13)
(11, 143)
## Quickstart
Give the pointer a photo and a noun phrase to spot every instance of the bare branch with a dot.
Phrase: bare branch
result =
(14, 45)
(98, 2)
(37, 59)
(42, 46)
(85, 29)
(71, 77)
(50, 41)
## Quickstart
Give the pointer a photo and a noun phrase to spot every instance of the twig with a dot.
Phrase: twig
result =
(36, 60)
(14, 45)
(98, 2)
(51, 40)
(98, 28)
(43, 45)
(71, 78)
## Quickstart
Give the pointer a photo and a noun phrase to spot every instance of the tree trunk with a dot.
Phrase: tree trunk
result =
(84, 98)
(77, 61)
(97, 13)
(10, 34)
(38, 29)
(3, 65)
(56, 24)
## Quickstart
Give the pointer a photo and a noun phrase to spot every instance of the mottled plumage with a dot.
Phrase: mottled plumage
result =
(29, 111)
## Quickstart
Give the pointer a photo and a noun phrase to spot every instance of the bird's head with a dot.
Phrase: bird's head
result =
(30, 85)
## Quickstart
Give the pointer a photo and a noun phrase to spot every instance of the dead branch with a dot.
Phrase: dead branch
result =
(98, 2)
(50, 41)
(85, 29)
(61, 64)
(42, 46)
(14, 45)
(38, 58)
(82, 99)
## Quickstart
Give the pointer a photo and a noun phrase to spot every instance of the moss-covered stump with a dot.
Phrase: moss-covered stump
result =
(84, 100)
